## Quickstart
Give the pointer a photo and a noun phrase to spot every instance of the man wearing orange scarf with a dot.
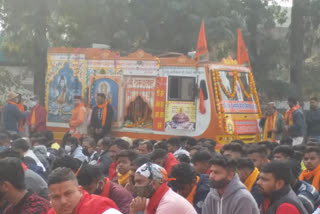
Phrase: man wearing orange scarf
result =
(311, 160)
(12, 115)
(37, 118)
(272, 124)
(190, 186)
(295, 122)
(249, 175)
(78, 125)
(102, 117)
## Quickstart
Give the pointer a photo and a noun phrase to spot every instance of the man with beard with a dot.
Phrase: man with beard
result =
(151, 183)
(229, 195)
(274, 185)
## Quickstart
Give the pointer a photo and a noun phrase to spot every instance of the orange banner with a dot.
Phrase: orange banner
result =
(159, 104)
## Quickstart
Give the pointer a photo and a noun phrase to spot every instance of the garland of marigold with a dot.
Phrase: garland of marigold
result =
(217, 90)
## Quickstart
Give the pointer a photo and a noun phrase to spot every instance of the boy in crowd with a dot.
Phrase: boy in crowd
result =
(124, 160)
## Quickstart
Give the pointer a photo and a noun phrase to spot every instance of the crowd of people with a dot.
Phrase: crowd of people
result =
(92, 172)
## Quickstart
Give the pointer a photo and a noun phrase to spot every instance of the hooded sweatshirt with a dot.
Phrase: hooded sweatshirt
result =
(236, 199)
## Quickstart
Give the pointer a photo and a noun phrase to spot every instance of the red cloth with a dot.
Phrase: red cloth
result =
(29, 204)
(93, 204)
(24, 167)
(171, 161)
(106, 188)
(156, 198)
(41, 118)
(113, 171)
(287, 208)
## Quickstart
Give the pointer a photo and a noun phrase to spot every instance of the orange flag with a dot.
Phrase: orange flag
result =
(242, 54)
(202, 43)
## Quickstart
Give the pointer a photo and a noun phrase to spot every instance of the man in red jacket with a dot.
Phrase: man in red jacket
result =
(67, 198)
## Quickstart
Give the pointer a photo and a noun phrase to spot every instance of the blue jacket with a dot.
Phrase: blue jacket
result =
(203, 188)
(11, 116)
(299, 126)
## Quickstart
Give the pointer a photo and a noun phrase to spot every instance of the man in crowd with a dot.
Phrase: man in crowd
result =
(102, 117)
(311, 161)
(89, 150)
(175, 147)
(200, 161)
(249, 175)
(37, 118)
(104, 160)
(284, 152)
(67, 197)
(78, 123)
(124, 160)
(150, 183)
(73, 148)
(190, 186)
(228, 188)
(164, 158)
(272, 124)
(114, 149)
(94, 182)
(313, 121)
(258, 155)
(32, 180)
(274, 184)
(295, 122)
(306, 193)
(12, 115)
(12, 189)
(145, 147)
(232, 150)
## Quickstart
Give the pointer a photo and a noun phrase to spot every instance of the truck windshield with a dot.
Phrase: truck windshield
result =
(239, 103)
(228, 83)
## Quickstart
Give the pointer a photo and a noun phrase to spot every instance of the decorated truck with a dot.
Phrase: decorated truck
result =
(155, 97)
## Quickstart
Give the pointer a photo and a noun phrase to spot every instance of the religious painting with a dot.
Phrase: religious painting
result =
(180, 115)
(139, 102)
(62, 89)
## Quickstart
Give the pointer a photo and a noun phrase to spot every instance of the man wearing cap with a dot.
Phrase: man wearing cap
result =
(272, 124)
(37, 117)
(12, 115)
(154, 195)
(78, 125)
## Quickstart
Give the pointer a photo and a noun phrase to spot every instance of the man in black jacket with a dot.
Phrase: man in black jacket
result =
(102, 117)
(274, 185)
(313, 121)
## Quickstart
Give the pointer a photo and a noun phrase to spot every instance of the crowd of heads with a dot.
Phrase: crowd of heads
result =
(279, 164)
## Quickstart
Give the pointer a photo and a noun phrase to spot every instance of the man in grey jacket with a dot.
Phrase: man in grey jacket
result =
(228, 195)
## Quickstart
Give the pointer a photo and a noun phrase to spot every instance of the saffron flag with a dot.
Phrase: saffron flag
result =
(202, 43)
(242, 54)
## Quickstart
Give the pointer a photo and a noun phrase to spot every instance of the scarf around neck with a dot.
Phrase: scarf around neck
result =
(193, 191)
(104, 113)
(314, 174)
(251, 179)
(269, 125)
(123, 178)
(156, 198)
(288, 116)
